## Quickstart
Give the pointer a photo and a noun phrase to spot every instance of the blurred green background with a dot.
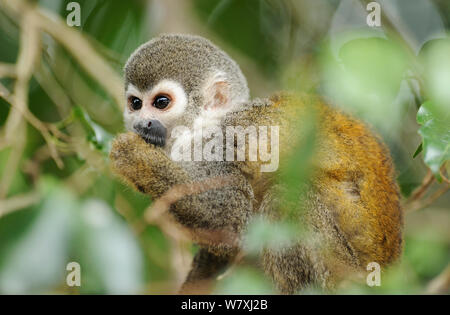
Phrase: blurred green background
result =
(60, 106)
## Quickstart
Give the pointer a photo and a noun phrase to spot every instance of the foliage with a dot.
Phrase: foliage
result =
(61, 101)
(436, 136)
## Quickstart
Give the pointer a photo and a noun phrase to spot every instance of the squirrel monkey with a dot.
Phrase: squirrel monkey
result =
(352, 209)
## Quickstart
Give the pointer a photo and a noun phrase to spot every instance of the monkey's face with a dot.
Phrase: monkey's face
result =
(174, 79)
(153, 112)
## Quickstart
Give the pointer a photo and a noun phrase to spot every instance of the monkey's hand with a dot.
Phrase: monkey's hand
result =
(215, 212)
(145, 166)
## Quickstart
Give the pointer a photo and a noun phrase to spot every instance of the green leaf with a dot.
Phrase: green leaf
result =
(265, 234)
(418, 150)
(364, 77)
(95, 134)
(435, 132)
(435, 61)
(36, 261)
(427, 242)
(109, 255)
(245, 281)
(296, 167)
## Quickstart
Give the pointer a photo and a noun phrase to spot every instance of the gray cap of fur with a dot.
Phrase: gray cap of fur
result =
(187, 59)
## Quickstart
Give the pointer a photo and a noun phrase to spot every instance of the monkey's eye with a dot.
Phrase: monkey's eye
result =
(161, 101)
(135, 103)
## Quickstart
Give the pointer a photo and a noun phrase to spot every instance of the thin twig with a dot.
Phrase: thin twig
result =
(177, 192)
(18, 202)
(157, 214)
(440, 284)
(15, 129)
(443, 176)
(36, 123)
(75, 43)
(83, 52)
(422, 189)
(5, 93)
(179, 236)
(45, 132)
(126, 210)
(423, 203)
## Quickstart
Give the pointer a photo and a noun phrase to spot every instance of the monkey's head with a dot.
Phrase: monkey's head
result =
(177, 80)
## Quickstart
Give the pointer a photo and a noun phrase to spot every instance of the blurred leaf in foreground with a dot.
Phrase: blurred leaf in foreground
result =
(265, 234)
(109, 254)
(36, 262)
(250, 35)
(397, 279)
(95, 134)
(365, 79)
(435, 58)
(296, 166)
(430, 244)
(245, 281)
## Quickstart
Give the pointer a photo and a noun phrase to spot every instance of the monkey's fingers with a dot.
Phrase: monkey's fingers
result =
(144, 165)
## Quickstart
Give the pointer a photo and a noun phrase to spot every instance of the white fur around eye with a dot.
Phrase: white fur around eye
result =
(133, 91)
(130, 117)
(178, 98)
(167, 87)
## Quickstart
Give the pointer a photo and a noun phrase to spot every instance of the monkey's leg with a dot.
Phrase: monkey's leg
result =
(320, 258)
(206, 266)
(310, 263)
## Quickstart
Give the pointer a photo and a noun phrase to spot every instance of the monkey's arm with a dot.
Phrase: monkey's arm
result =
(145, 166)
(215, 215)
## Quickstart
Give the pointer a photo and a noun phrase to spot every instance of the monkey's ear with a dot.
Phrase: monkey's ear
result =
(217, 93)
